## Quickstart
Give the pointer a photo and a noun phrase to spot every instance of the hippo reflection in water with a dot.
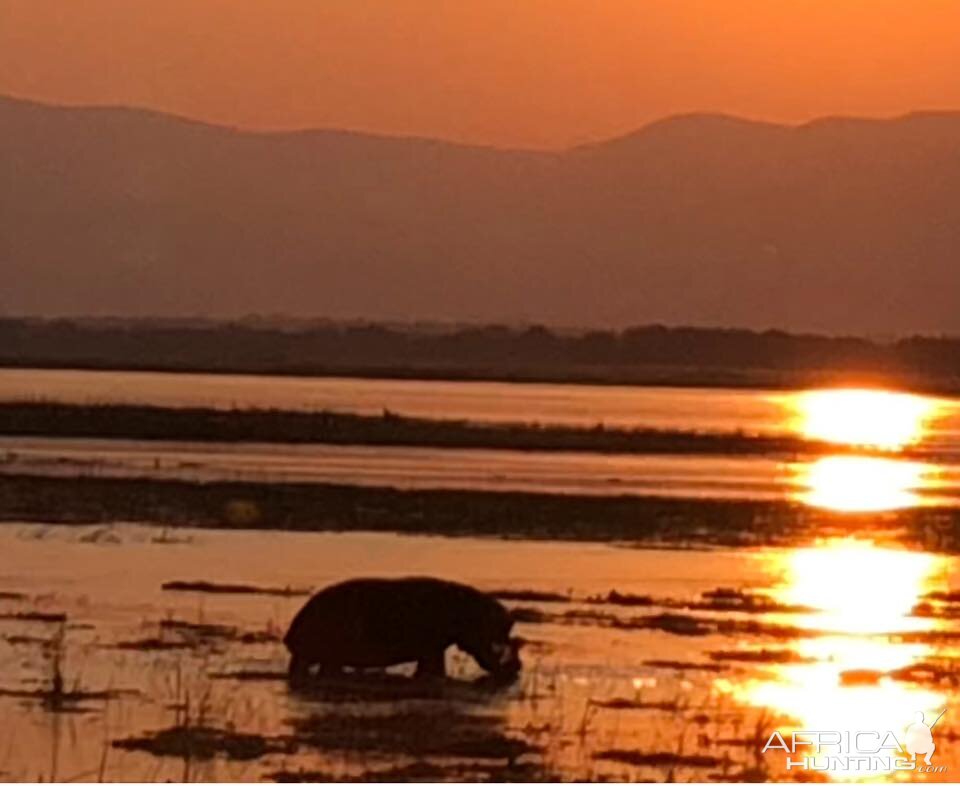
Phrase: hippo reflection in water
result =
(375, 623)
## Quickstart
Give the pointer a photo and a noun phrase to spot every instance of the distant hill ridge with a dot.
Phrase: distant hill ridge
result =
(840, 225)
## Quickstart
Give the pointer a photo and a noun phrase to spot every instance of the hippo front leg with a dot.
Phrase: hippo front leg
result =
(432, 664)
(298, 673)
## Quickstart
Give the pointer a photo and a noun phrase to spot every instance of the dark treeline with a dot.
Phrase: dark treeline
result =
(651, 353)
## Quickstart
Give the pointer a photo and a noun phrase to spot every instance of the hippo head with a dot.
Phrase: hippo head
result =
(485, 635)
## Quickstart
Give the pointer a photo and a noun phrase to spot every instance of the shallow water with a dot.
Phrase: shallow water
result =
(655, 407)
(885, 424)
(836, 611)
(564, 473)
(832, 482)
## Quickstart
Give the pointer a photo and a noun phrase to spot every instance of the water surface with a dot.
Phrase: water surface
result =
(910, 443)
(595, 679)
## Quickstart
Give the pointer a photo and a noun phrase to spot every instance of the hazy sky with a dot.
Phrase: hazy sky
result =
(541, 73)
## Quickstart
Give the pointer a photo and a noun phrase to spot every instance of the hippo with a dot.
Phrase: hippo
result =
(375, 623)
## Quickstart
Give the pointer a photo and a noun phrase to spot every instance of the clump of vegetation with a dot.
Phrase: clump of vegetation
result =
(667, 705)
(760, 656)
(214, 588)
(204, 743)
(683, 665)
(177, 634)
(659, 759)
(35, 616)
(206, 631)
(428, 772)
(615, 598)
(729, 599)
(532, 596)
(151, 644)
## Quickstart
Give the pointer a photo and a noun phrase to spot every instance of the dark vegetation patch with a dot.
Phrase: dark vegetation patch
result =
(208, 631)
(17, 639)
(729, 599)
(231, 589)
(35, 616)
(59, 699)
(614, 598)
(203, 630)
(204, 743)
(720, 599)
(953, 596)
(926, 636)
(945, 610)
(660, 759)
(677, 624)
(636, 704)
(295, 506)
(122, 421)
(940, 671)
(760, 656)
(177, 634)
(682, 665)
(429, 772)
(935, 671)
(151, 644)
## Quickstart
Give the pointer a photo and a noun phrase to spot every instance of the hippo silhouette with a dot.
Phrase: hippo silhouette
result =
(375, 623)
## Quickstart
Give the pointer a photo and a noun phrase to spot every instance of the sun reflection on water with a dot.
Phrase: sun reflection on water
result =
(859, 594)
(878, 419)
(863, 483)
(874, 420)
(857, 586)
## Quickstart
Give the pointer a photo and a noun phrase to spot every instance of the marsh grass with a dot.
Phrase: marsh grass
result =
(123, 421)
(655, 522)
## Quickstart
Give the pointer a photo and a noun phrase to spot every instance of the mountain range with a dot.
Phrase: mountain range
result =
(838, 225)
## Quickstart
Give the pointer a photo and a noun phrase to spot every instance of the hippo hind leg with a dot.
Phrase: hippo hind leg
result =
(432, 664)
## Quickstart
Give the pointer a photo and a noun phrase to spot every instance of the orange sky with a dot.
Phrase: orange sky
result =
(540, 73)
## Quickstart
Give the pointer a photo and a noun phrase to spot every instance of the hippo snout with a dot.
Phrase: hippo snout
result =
(502, 659)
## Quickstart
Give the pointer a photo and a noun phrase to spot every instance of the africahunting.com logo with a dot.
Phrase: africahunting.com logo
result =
(859, 751)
